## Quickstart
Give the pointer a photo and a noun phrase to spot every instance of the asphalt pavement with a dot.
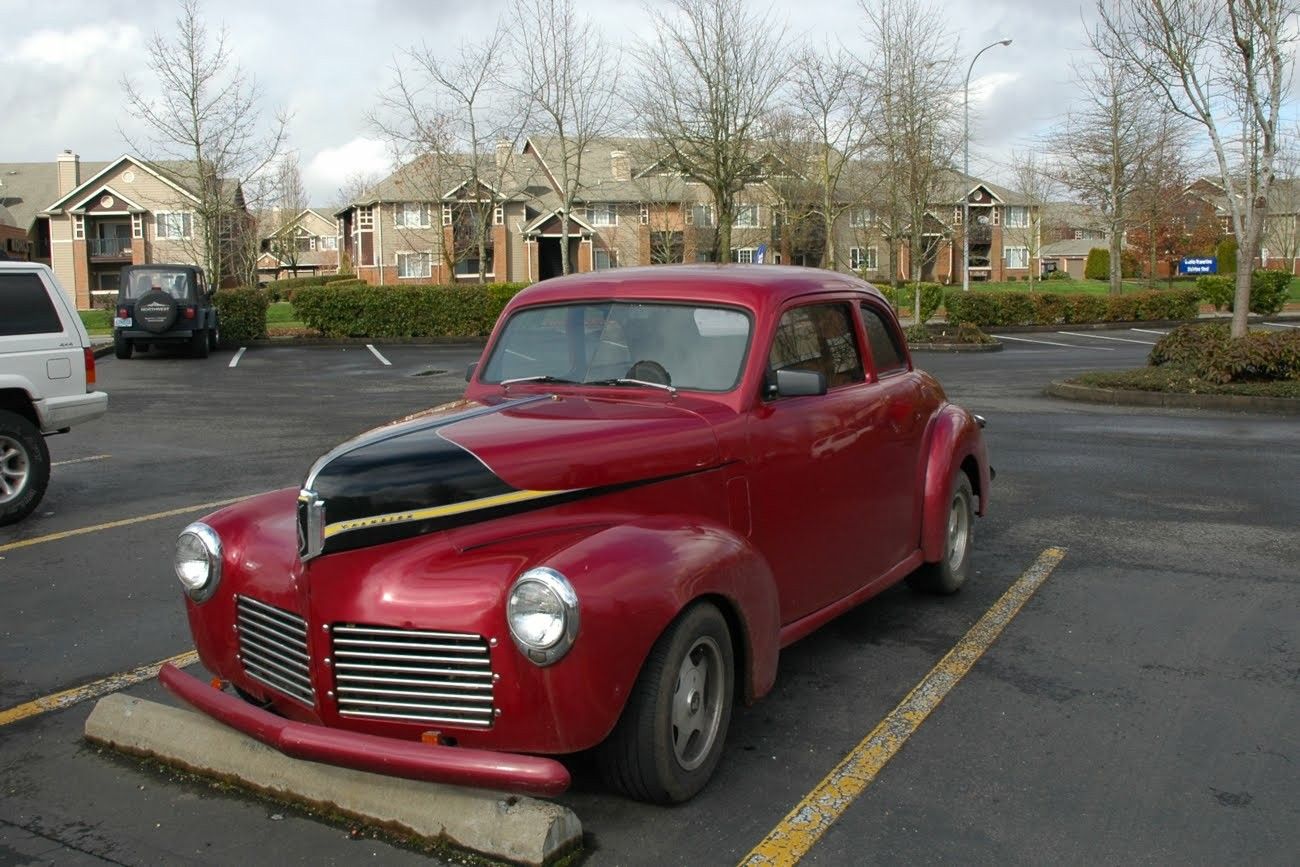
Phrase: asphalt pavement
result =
(1141, 707)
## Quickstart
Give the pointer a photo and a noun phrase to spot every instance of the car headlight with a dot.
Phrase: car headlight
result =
(542, 612)
(198, 561)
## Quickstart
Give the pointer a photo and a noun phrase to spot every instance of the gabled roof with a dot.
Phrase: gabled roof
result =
(131, 205)
(535, 227)
(158, 172)
(426, 178)
(26, 188)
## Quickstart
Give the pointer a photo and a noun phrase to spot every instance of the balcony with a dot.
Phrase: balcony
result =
(109, 248)
(981, 234)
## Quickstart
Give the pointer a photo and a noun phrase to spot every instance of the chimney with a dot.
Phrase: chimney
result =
(620, 165)
(69, 172)
(503, 152)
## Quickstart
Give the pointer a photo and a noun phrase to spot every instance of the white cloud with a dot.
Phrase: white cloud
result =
(330, 168)
(69, 47)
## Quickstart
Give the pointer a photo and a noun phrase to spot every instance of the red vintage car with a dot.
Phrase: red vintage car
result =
(657, 478)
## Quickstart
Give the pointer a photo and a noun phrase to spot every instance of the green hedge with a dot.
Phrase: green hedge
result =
(1216, 289)
(1268, 291)
(242, 313)
(903, 297)
(1097, 266)
(1049, 308)
(402, 311)
(1226, 253)
(312, 280)
(1211, 353)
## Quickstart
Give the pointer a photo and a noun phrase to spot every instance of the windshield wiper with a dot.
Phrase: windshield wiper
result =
(545, 377)
(625, 381)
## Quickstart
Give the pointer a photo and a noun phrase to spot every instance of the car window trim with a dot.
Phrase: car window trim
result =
(890, 323)
(809, 300)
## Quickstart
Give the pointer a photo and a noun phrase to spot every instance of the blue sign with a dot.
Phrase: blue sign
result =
(1198, 266)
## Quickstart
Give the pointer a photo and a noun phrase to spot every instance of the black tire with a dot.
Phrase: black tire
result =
(24, 467)
(949, 574)
(670, 737)
(156, 311)
(121, 347)
(214, 335)
(141, 347)
(199, 343)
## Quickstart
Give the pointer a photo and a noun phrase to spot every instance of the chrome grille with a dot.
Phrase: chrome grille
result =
(273, 648)
(412, 674)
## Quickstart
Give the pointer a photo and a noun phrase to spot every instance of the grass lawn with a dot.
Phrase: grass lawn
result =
(1169, 378)
(280, 313)
(97, 321)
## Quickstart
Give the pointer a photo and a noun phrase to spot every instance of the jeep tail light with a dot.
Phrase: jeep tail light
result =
(90, 368)
(122, 312)
(189, 312)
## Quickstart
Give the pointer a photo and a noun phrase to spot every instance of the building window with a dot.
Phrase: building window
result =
(862, 258)
(446, 215)
(1017, 217)
(1078, 234)
(861, 218)
(174, 226)
(666, 247)
(78, 227)
(1017, 257)
(956, 216)
(746, 217)
(414, 264)
(329, 242)
(498, 216)
(700, 215)
(602, 215)
(365, 217)
(743, 255)
(645, 215)
(137, 226)
(997, 215)
(411, 215)
(603, 260)
(306, 244)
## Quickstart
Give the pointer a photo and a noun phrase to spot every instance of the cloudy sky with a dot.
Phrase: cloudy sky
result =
(326, 61)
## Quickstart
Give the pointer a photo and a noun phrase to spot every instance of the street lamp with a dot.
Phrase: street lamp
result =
(965, 138)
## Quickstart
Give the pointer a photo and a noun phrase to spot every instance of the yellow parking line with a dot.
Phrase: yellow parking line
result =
(803, 826)
(125, 522)
(77, 694)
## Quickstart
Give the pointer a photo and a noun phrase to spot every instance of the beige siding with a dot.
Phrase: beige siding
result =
(61, 253)
(391, 239)
(517, 261)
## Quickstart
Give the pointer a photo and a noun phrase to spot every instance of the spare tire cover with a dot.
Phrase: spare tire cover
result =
(155, 311)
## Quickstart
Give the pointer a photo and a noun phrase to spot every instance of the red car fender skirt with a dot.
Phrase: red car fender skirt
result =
(417, 761)
(954, 436)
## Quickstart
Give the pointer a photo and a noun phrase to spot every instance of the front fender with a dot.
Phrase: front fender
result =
(955, 442)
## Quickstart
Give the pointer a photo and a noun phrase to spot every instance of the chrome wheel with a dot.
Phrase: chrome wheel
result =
(959, 527)
(697, 703)
(15, 469)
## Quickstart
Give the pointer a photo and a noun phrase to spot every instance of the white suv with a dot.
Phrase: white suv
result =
(47, 381)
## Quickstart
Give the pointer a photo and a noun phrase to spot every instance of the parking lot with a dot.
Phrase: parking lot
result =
(1141, 707)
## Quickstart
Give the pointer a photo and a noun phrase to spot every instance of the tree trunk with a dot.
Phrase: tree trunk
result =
(564, 241)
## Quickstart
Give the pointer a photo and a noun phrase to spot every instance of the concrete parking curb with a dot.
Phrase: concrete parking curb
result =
(517, 829)
(955, 347)
(1170, 400)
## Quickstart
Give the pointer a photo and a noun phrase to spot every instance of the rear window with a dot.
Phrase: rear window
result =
(25, 306)
(175, 283)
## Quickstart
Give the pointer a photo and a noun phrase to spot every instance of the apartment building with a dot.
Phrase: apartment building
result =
(301, 245)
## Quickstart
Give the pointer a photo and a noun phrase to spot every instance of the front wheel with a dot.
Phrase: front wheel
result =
(669, 739)
(24, 467)
(949, 574)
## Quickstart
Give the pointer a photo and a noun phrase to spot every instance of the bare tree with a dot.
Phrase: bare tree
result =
(571, 80)
(288, 203)
(1162, 217)
(1100, 147)
(1032, 178)
(709, 77)
(912, 70)
(207, 124)
(1225, 66)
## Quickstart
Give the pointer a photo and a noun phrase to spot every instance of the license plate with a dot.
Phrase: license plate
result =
(119, 322)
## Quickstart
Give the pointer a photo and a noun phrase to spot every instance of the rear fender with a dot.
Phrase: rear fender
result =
(955, 442)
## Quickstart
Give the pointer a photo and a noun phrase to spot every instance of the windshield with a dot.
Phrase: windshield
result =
(174, 282)
(682, 345)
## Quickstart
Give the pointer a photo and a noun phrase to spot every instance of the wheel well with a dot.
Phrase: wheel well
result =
(972, 470)
(16, 400)
(739, 644)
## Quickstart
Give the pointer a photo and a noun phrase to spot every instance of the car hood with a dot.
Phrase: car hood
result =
(467, 462)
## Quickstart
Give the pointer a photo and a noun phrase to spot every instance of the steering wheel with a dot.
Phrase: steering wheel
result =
(649, 371)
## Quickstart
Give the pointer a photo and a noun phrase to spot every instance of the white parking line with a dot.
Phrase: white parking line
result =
(1280, 325)
(238, 355)
(1104, 337)
(80, 460)
(384, 361)
(1050, 343)
(1147, 331)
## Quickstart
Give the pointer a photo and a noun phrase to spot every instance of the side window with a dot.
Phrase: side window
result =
(818, 337)
(886, 346)
(25, 307)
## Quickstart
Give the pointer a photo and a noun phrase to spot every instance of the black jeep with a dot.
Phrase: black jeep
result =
(164, 304)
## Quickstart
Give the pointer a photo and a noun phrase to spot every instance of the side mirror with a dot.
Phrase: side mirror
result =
(469, 371)
(795, 383)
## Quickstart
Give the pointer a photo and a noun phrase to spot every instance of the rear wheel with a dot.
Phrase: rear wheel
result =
(947, 575)
(669, 739)
(24, 467)
(199, 343)
(214, 335)
(121, 347)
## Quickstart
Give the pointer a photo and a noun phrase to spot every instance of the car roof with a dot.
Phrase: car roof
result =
(754, 286)
(163, 266)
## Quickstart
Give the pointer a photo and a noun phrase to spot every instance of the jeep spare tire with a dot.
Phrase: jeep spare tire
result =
(155, 311)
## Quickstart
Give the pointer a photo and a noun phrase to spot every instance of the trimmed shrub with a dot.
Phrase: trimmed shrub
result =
(1098, 265)
(1208, 351)
(903, 297)
(1268, 291)
(338, 310)
(1046, 308)
(1059, 274)
(1085, 308)
(1215, 289)
(242, 313)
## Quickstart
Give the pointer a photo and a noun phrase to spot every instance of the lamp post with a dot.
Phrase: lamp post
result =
(965, 138)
